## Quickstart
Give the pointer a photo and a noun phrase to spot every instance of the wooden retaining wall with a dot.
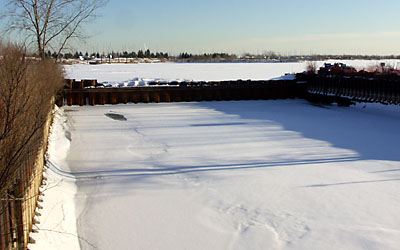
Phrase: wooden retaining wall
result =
(19, 202)
(181, 92)
(346, 89)
(343, 90)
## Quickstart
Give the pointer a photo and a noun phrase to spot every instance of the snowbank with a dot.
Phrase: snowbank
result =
(57, 228)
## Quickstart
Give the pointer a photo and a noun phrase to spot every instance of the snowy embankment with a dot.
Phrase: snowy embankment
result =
(133, 75)
(232, 175)
(57, 228)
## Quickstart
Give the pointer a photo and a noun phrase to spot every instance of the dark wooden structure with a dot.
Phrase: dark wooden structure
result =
(76, 94)
(340, 89)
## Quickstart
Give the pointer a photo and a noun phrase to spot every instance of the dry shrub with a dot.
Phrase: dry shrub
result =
(26, 92)
(311, 67)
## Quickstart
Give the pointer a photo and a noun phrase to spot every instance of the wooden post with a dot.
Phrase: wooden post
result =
(92, 98)
(144, 96)
(3, 224)
(81, 99)
(187, 95)
(177, 96)
(197, 95)
(19, 220)
(69, 99)
(165, 96)
(8, 236)
(113, 98)
(155, 96)
(103, 98)
(217, 95)
(135, 96)
(123, 97)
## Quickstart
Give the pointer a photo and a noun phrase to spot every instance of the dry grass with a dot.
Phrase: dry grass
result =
(26, 92)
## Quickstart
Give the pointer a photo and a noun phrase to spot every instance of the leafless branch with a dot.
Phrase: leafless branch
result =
(26, 90)
(50, 23)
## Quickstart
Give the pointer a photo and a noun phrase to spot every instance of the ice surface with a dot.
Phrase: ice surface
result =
(129, 75)
(220, 175)
(236, 175)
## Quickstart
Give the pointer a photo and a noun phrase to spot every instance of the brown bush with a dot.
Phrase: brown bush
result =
(26, 92)
(311, 67)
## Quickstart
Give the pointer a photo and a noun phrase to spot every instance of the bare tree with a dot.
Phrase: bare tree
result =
(26, 90)
(311, 67)
(50, 24)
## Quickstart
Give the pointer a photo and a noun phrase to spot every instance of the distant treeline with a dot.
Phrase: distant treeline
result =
(189, 57)
(125, 54)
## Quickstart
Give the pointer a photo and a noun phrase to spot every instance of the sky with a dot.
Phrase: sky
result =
(240, 26)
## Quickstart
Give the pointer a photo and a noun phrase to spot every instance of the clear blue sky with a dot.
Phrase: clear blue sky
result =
(238, 26)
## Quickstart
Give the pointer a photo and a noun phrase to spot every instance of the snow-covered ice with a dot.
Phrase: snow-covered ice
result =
(233, 175)
(129, 75)
(220, 175)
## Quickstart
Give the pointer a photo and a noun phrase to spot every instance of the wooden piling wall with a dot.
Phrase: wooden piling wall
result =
(347, 89)
(343, 90)
(19, 201)
(182, 92)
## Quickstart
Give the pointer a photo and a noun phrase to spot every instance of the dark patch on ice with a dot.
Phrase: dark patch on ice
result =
(116, 116)
(70, 110)
(68, 135)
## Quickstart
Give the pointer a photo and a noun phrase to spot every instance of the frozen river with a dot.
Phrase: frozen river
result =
(234, 175)
(220, 175)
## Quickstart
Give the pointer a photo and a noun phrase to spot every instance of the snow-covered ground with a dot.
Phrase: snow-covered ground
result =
(230, 175)
(57, 228)
(220, 175)
(122, 75)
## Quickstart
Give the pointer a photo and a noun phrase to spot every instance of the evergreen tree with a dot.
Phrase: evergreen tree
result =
(68, 55)
(140, 54)
(147, 54)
